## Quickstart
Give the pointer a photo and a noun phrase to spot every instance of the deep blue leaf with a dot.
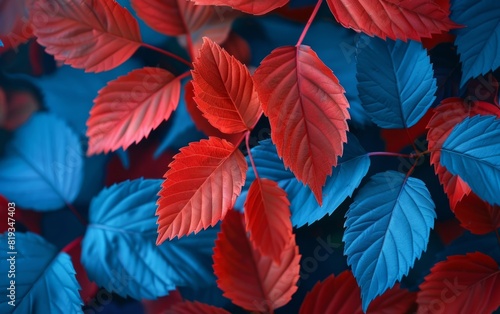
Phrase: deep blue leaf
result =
(44, 279)
(387, 229)
(119, 248)
(395, 81)
(478, 43)
(337, 50)
(42, 165)
(182, 129)
(472, 151)
(346, 177)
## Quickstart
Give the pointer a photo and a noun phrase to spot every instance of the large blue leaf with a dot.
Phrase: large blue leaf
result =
(387, 229)
(472, 151)
(346, 177)
(395, 81)
(478, 43)
(44, 279)
(119, 248)
(42, 165)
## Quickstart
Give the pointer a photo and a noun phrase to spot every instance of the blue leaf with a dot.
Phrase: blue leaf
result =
(478, 43)
(44, 280)
(395, 81)
(387, 229)
(119, 248)
(472, 151)
(43, 164)
(338, 52)
(346, 177)
(182, 129)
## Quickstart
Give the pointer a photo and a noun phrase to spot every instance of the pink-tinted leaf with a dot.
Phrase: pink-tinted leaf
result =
(256, 7)
(130, 107)
(87, 34)
(248, 278)
(224, 90)
(172, 17)
(395, 19)
(307, 110)
(200, 187)
(267, 218)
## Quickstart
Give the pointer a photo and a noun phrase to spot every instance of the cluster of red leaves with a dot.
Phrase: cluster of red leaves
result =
(256, 258)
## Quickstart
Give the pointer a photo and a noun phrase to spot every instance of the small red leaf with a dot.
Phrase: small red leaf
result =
(341, 295)
(255, 7)
(248, 278)
(449, 113)
(172, 17)
(267, 218)
(88, 289)
(461, 284)
(224, 90)
(87, 34)
(196, 308)
(395, 19)
(476, 215)
(201, 185)
(202, 123)
(130, 107)
(307, 111)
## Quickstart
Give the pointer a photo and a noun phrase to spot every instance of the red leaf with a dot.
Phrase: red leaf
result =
(252, 280)
(196, 308)
(162, 304)
(451, 112)
(267, 218)
(436, 39)
(15, 28)
(172, 17)
(130, 107)
(256, 7)
(477, 215)
(238, 47)
(461, 284)
(17, 106)
(341, 295)
(201, 185)
(395, 19)
(336, 294)
(88, 288)
(224, 90)
(202, 123)
(448, 230)
(307, 111)
(87, 34)
(29, 218)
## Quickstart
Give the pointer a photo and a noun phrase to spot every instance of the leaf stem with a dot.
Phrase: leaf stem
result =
(77, 214)
(247, 142)
(309, 22)
(168, 54)
(389, 154)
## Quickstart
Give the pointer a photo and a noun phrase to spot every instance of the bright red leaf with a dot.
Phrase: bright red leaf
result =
(92, 35)
(172, 17)
(201, 185)
(248, 278)
(202, 123)
(224, 90)
(307, 111)
(341, 295)
(461, 284)
(88, 288)
(130, 107)
(476, 215)
(267, 218)
(256, 7)
(196, 308)
(395, 19)
(449, 113)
